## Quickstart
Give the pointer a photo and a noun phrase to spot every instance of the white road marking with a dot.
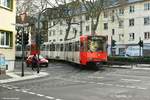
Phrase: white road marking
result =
(9, 88)
(4, 86)
(41, 95)
(141, 88)
(31, 93)
(17, 90)
(131, 87)
(48, 97)
(95, 77)
(10, 98)
(91, 82)
(101, 83)
(121, 96)
(109, 84)
(128, 80)
(24, 91)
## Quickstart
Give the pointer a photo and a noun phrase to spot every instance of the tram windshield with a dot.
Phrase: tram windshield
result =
(95, 44)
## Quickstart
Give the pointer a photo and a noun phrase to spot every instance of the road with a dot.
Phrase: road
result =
(68, 82)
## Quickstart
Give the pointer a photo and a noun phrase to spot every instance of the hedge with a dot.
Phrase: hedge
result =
(129, 59)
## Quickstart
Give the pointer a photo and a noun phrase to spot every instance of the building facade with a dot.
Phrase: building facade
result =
(127, 23)
(7, 31)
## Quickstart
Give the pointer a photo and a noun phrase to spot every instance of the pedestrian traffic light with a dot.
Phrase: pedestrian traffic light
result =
(113, 43)
(19, 38)
(140, 43)
(25, 38)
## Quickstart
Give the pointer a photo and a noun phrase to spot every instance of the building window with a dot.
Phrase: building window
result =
(50, 33)
(87, 17)
(147, 6)
(105, 26)
(131, 36)
(5, 39)
(121, 11)
(146, 20)
(53, 32)
(105, 14)
(121, 24)
(131, 22)
(61, 32)
(87, 28)
(54, 23)
(131, 9)
(6, 3)
(112, 18)
(113, 31)
(146, 35)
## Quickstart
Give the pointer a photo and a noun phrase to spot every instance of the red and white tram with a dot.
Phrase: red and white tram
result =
(85, 50)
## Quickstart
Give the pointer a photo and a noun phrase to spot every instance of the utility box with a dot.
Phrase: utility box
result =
(2, 64)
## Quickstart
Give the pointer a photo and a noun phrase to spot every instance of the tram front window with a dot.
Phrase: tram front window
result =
(95, 45)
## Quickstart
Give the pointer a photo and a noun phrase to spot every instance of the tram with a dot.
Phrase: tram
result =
(87, 50)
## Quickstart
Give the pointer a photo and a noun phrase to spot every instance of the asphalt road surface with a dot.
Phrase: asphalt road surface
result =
(68, 82)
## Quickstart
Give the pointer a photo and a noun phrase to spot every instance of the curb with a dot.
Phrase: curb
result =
(16, 77)
(131, 67)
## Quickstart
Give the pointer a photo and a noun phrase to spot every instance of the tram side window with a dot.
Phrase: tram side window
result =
(66, 47)
(61, 47)
(77, 46)
(57, 47)
(70, 44)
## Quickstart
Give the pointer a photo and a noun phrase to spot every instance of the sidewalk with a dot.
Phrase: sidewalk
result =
(133, 66)
(16, 76)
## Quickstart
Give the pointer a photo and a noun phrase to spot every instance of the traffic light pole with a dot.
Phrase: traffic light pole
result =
(38, 42)
(22, 74)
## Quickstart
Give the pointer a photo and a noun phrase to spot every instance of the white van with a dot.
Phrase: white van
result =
(133, 51)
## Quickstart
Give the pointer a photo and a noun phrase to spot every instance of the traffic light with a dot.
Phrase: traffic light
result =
(25, 38)
(140, 43)
(41, 39)
(113, 43)
(19, 38)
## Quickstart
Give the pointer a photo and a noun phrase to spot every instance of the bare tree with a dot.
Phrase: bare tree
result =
(94, 9)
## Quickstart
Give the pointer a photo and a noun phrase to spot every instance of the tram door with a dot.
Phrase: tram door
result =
(83, 50)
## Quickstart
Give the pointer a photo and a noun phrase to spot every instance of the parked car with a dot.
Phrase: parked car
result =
(133, 51)
(43, 62)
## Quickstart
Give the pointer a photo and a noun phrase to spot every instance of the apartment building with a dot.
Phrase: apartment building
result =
(126, 24)
(7, 31)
